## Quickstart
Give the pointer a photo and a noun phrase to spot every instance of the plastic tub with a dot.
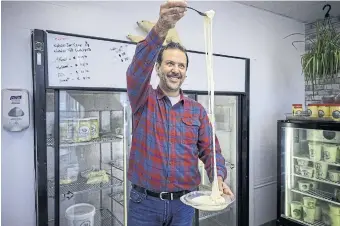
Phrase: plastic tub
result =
(81, 214)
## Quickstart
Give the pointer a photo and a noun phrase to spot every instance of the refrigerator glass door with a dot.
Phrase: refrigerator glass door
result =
(93, 135)
(310, 192)
(226, 124)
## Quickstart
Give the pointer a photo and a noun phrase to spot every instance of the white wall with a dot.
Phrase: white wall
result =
(276, 80)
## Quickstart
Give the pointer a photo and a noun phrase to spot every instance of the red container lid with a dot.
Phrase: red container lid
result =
(334, 105)
(324, 105)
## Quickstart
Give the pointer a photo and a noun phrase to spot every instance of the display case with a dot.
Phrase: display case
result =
(226, 121)
(309, 173)
(91, 140)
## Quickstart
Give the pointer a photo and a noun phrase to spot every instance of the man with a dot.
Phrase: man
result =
(170, 131)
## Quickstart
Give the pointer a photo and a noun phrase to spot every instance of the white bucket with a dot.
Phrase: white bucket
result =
(81, 214)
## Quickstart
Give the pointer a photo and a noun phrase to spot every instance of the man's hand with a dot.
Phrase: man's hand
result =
(170, 13)
(224, 187)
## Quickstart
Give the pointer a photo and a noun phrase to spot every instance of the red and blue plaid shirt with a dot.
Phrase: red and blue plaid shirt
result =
(167, 140)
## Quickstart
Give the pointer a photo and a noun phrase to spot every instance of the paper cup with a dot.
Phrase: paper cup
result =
(333, 209)
(333, 175)
(304, 185)
(297, 169)
(309, 202)
(330, 153)
(314, 151)
(296, 210)
(309, 214)
(80, 214)
(317, 212)
(321, 170)
(302, 162)
(307, 171)
(325, 216)
(335, 219)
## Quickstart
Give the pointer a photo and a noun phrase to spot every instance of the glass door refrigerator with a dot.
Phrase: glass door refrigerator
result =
(228, 118)
(309, 173)
(92, 142)
(83, 137)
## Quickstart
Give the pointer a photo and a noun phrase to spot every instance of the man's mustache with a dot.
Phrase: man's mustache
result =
(172, 75)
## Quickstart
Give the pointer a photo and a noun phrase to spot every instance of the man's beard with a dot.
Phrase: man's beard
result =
(168, 79)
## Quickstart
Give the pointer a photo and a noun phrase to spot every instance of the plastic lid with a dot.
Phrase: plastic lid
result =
(313, 104)
(297, 104)
(334, 105)
(324, 105)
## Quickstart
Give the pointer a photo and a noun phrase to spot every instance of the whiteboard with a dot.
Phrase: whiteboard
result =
(93, 63)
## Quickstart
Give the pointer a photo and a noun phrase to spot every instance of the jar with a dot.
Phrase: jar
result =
(335, 111)
(323, 110)
(313, 110)
(297, 109)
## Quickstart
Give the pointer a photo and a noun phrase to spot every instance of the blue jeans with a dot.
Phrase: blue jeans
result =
(146, 210)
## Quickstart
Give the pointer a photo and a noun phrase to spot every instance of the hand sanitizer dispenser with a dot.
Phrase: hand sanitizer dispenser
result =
(15, 110)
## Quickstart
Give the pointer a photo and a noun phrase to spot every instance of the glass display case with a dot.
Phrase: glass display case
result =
(93, 141)
(309, 173)
(92, 144)
(226, 121)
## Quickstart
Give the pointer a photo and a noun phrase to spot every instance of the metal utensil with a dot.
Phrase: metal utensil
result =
(199, 12)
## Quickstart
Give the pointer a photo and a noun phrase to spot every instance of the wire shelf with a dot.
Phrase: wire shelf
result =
(100, 140)
(118, 197)
(321, 195)
(316, 223)
(327, 181)
(81, 186)
(115, 164)
(103, 217)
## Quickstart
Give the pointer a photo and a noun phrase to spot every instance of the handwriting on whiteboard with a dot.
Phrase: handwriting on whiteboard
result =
(120, 53)
(77, 60)
(71, 63)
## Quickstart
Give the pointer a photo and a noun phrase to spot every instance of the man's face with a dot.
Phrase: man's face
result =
(172, 71)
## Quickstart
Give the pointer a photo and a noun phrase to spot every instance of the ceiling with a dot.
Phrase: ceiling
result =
(302, 11)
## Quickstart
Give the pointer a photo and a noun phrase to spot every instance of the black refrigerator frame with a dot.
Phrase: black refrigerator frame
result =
(40, 89)
(301, 124)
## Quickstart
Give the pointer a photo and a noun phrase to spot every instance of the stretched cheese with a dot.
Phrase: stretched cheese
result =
(208, 41)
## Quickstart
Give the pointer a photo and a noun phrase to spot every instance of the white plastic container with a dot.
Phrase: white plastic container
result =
(81, 214)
